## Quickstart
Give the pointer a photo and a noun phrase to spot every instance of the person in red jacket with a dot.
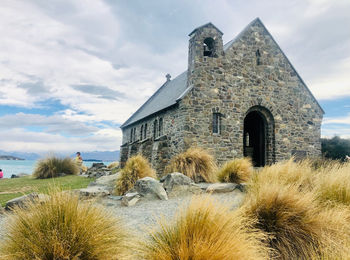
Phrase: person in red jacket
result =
(1, 174)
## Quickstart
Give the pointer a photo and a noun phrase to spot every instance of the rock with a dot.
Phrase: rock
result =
(130, 199)
(21, 201)
(94, 191)
(176, 184)
(113, 197)
(97, 170)
(242, 187)
(221, 187)
(204, 185)
(2, 210)
(14, 176)
(108, 182)
(150, 188)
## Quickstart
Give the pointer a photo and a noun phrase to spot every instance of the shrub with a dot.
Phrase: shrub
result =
(237, 171)
(195, 163)
(113, 165)
(51, 167)
(296, 227)
(204, 230)
(135, 168)
(61, 227)
(333, 186)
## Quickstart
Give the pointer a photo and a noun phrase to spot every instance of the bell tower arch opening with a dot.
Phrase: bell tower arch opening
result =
(258, 136)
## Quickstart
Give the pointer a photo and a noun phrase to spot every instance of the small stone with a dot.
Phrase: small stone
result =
(221, 187)
(150, 188)
(130, 199)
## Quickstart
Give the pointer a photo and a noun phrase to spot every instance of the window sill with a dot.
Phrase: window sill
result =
(159, 138)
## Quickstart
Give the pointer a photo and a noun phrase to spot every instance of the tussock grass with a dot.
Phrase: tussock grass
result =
(236, 171)
(333, 186)
(205, 229)
(295, 224)
(136, 167)
(299, 174)
(113, 165)
(195, 163)
(61, 227)
(53, 166)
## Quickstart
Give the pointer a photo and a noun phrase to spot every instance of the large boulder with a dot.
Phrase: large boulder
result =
(150, 188)
(176, 184)
(21, 201)
(108, 182)
(97, 170)
(221, 187)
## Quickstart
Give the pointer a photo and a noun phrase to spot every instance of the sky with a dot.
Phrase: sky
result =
(71, 72)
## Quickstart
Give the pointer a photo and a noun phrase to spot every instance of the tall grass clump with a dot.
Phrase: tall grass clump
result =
(299, 174)
(204, 230)
(61, 227)
(237, 171)
(333, 186)
(195, 163)
(296, 227)
(53, 166)
(136, 167)
(113, 165)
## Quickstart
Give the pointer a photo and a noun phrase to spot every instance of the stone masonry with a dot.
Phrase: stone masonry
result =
(262, 107)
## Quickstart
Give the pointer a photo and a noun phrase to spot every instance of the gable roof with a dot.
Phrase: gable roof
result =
(167, 95)
(174, 90)
(206, 25)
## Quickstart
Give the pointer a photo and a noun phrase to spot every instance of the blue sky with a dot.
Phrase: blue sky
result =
(72, 71)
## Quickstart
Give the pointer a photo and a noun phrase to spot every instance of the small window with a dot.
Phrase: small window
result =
(208, 45)
(141, 133)
(216, 123)
(145, 131)
(155, 128)
(160, 132)
(258, 57)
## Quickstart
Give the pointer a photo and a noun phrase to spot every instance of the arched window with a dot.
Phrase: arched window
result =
(258, 57)
(155, 128)
(145, 131)
(160, 132)
(208, 45)
(141, 133)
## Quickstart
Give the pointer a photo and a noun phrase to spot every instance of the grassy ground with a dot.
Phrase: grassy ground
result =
(12, 188)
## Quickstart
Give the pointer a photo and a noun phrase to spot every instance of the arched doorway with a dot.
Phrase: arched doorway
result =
(258, 136)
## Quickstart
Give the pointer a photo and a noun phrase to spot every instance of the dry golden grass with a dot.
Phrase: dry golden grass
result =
(296, 226)
(299, 174)
(236, 171)
(333, 185)
(205, 229)
(195, 163)
(113, 165)
(61, 227)
(136, 167)
(52, 166)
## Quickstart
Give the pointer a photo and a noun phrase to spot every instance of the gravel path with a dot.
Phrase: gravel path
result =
(145, 213)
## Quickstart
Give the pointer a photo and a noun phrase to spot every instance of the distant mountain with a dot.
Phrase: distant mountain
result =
(9, 157)
(103, 156)
(22, 155)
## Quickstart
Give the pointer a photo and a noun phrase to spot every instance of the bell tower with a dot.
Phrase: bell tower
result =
(205, 48)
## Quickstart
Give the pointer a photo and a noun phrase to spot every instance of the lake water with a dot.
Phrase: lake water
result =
(10, 167)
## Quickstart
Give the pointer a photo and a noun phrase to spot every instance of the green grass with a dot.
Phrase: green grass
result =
(13, 188)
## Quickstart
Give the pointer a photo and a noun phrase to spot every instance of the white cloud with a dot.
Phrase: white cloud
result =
(337, 120)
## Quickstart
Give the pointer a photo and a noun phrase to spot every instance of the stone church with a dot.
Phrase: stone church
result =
(243, 98)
